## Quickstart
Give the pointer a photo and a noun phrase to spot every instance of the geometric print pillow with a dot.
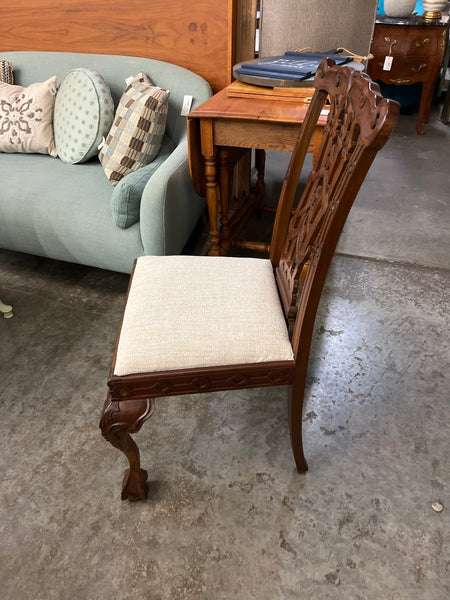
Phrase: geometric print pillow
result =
(138, 129)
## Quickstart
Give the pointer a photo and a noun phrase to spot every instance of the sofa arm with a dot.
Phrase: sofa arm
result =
(170, 207)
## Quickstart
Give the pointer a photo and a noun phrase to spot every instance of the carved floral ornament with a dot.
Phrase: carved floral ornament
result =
(364, 98)
(307, 220)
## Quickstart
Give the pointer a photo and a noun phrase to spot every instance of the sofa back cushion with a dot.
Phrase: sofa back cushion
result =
(84, 112)
(26, 117)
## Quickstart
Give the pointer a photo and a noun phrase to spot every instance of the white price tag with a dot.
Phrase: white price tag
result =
(185, 109)
(388, 63)
(102, 143)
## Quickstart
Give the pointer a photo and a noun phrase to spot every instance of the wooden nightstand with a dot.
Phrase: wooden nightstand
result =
(416, 47)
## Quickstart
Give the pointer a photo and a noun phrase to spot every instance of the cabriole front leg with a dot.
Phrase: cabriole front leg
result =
(120, 418)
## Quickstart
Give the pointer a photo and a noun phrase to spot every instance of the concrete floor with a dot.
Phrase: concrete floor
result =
(228, 517)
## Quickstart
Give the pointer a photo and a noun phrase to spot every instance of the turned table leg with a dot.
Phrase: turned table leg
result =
(225, 193)
(260, 187)
(209, 151)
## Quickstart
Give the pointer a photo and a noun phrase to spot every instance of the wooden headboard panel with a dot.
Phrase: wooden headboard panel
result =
(196, 34)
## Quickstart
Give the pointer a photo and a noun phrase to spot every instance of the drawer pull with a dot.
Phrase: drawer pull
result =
(419, 68)
(388, 39)
(399, 81)
(425, 41)
(390, 42)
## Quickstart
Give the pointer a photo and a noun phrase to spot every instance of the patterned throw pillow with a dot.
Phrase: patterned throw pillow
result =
(137, 132)
(84, 112)
(26, 117)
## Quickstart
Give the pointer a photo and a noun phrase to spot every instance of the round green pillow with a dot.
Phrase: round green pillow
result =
(84, 112)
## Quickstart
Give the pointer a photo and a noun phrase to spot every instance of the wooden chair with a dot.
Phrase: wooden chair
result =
(202, 324)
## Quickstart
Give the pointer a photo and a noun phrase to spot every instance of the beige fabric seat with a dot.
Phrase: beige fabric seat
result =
(201, 311)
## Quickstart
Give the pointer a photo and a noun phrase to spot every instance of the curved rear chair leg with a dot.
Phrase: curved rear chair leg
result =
(296, 392)
(119, 419)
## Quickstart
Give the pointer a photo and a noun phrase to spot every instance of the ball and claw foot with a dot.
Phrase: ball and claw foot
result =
(120, 418)
(134, 486)
(6, 310)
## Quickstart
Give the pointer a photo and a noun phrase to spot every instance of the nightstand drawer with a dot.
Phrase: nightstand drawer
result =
(388, 40)
(393, 40)
(405, 68)
(421, 42)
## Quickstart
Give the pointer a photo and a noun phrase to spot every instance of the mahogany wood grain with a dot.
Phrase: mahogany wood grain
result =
(198, 35)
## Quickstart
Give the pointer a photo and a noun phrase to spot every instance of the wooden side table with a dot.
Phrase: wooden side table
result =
(416, 47)
(220, 130)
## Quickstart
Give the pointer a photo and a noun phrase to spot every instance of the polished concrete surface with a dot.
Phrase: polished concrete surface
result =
(228, 517)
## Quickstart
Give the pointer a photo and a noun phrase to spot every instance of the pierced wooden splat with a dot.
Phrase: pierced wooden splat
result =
(358, 124)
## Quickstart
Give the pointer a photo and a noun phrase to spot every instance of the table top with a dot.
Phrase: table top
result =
(412, 21)
(222, 106)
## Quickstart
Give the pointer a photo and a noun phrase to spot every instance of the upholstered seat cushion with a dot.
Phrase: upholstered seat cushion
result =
(201, 311)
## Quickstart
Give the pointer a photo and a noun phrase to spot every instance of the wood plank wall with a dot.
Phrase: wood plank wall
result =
(199, 35)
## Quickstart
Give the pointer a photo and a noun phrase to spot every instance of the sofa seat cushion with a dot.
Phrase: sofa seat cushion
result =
(137, 132)
(52, 208)
(126, 195)
(26, 117)
(201, 311)
(84, 112)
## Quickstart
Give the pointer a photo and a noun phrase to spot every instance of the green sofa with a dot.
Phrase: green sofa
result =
(63, 211)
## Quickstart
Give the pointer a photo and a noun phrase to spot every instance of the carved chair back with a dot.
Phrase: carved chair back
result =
(359, 122)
